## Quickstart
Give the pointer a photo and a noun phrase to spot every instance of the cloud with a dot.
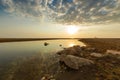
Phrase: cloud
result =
(66, 11)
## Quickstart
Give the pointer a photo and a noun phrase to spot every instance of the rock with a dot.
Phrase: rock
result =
(96, 55)
(83, 47)
(118, 57)
(43, 78)
(60, 45)
(90, 49)
(47, 77)
(75, 62)
(113, 52)
(45, 44)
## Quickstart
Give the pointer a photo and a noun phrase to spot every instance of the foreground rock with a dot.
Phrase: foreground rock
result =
(75, 62)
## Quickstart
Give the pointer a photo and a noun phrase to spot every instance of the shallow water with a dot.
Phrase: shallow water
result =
(12, 51)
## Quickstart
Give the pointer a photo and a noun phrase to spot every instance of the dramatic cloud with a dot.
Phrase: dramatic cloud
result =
(66, 11)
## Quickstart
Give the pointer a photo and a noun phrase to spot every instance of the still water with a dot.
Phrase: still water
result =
(11, 51)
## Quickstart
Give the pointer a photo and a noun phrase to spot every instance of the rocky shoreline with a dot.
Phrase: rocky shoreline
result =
(104, 66)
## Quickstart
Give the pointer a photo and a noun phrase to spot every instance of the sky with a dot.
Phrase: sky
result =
(54, 18)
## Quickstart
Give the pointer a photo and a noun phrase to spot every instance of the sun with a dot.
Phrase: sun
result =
(72, 29)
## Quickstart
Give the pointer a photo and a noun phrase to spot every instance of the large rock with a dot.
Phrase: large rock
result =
(75, 62)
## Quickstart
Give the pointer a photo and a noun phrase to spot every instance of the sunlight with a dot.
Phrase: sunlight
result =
(72, 29)
(71, 44)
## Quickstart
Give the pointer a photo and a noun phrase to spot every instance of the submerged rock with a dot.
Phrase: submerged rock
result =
(45, 44)
(75, 62)
(96, 55)
(60, 45)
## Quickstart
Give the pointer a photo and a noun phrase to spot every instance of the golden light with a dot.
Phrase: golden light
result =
(72, 29)
(71, 44)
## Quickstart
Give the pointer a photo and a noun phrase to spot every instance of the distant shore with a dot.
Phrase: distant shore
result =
(103, 43)
(29, 39)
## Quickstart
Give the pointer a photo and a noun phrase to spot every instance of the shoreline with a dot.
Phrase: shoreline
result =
(102, 44)
(2, 40)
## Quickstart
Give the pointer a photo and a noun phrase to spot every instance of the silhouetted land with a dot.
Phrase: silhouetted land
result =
(29, 39)
(103, 43)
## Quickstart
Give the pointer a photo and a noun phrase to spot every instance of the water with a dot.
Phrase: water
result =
(20, 49)
(12, 52)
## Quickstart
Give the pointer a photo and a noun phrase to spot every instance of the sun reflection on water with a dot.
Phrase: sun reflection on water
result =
(71, 44)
